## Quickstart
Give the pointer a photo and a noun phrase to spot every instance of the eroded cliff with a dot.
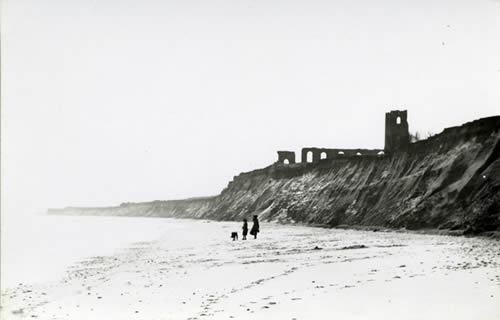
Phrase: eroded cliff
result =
(449, 181)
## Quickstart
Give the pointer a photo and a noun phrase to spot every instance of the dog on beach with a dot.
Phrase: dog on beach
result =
(234, 235)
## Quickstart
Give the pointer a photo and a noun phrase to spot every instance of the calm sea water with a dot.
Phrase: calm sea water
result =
(38, 248)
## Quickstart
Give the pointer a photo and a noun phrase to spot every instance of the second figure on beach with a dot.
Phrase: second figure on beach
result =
(245, 229)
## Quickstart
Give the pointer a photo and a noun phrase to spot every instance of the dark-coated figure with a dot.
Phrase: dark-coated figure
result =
(255, 227)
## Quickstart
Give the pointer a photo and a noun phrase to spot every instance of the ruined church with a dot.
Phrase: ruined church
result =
(397, 139)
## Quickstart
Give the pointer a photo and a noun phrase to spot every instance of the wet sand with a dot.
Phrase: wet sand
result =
(194, 271)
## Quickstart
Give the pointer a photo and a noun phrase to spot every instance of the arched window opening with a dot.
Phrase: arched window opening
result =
(341, 153)
(323, 155)
(398, 120)
(309, 156)
(381, 153)
(358, 153)
(286, 162)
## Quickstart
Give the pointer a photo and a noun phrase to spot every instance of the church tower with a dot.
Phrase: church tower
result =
(397, 136)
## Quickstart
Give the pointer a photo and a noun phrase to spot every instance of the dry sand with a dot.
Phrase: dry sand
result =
(195, 271)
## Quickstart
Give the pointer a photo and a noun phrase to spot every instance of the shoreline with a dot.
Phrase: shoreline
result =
(430, 231)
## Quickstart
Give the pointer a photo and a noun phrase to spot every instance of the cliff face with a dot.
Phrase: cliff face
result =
(450, 181)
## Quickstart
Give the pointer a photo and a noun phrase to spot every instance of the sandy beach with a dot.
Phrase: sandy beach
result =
(192, 270)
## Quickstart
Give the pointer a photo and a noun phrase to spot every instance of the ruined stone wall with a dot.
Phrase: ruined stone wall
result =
(319, 154)
(286, 157)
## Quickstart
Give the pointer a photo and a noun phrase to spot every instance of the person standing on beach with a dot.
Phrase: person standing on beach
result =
(255, 227)
(245, 229)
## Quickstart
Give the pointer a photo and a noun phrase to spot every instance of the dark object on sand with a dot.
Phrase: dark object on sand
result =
(234, 235)
(245, 229)
(356, 246)
(255, 227)
(317, 248)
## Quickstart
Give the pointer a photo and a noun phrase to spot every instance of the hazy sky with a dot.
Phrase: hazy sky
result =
(109, 101)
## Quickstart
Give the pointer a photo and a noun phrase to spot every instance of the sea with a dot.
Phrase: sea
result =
(39, 248)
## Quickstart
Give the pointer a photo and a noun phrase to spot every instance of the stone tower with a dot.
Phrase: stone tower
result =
(397, 136)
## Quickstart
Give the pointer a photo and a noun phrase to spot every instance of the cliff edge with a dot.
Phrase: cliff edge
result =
(448, 181)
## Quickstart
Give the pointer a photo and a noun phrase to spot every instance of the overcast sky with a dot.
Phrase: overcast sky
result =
(111, 101)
